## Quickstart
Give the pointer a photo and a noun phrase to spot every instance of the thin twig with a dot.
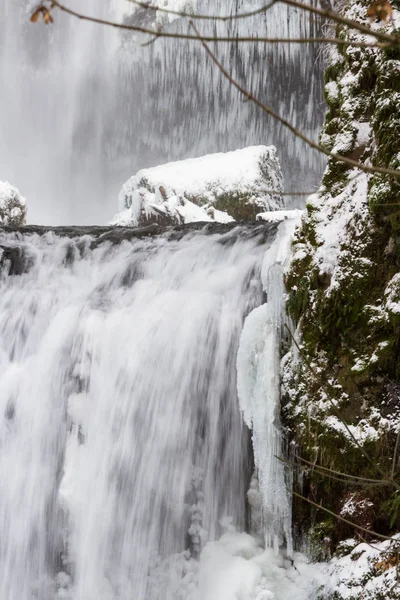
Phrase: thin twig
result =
(179, 13)
(223, 39)
(349, 481)
(327, 13)
(333, 514)
(294, 130)
(338, 18)
(364, 479)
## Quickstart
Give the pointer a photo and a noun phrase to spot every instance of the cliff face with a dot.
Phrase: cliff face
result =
(341, 385)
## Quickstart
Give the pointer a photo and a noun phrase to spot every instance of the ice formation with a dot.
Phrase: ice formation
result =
(258, 366)
(217, 187)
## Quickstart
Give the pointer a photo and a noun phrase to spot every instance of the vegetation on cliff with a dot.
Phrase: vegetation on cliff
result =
(342, 383)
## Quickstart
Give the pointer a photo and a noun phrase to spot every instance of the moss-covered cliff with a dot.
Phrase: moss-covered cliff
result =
(341, 387)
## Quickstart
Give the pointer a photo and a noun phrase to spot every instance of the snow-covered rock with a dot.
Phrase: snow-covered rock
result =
(217, 187)
(368, 572)
(12, 206)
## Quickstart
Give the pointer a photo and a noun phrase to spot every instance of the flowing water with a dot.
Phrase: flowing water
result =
(122, 443)
(83, 107)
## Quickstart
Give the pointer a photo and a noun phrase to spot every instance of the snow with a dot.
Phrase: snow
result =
(362, 432)
(367, 572)
(363, 133)
(392, 295)
(187, 190)
(332, 90)
(12, 205)
(279, 215)
(353, 505)
(161, 17)
(336, 215)
(236, 567)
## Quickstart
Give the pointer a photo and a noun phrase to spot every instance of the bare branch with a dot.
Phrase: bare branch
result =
(327, 13)
(233, 17)
(224, 39)
(355, 477)
(337, 17)
(333, 514)
(346, 479)
(294, 130)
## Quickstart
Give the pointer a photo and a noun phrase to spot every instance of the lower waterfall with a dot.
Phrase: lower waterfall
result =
(123, 450)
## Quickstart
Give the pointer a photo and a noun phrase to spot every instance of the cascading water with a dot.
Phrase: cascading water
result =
(83, 107)
(122, 444)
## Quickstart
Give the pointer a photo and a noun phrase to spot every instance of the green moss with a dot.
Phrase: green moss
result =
(239, 206)
(347, 334)
(320, 540)
(335, 177)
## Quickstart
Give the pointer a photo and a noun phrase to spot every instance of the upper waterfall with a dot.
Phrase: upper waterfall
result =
(83, 107)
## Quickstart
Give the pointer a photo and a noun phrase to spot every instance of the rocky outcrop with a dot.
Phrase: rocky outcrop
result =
(226, 187)
(341, 383)
(12, 206)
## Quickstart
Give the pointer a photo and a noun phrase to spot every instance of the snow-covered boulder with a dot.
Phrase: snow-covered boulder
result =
(218, 187)
(12, 206)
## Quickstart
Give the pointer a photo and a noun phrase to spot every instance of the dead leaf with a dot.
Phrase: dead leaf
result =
(380, 10)
(45, 12)
(47, 18)
(387, 563)
(35, 15)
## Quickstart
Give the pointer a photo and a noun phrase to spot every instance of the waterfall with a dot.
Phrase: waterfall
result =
(83, 107)
(123, 449)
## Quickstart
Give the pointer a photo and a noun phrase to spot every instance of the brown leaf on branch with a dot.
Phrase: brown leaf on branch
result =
(45, 12)
(47, 18)
(35, 15)
(381, 10)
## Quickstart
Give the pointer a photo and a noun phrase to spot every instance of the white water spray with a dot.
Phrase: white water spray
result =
(122, 446)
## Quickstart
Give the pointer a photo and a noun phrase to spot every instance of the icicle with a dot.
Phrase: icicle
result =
(258, 367)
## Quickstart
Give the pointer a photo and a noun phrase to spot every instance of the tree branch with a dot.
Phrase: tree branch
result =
(355, 477)
(294, 130)
(333, 514)
(179, 13)
(337, 17)
(326, 13)
(224, 39)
